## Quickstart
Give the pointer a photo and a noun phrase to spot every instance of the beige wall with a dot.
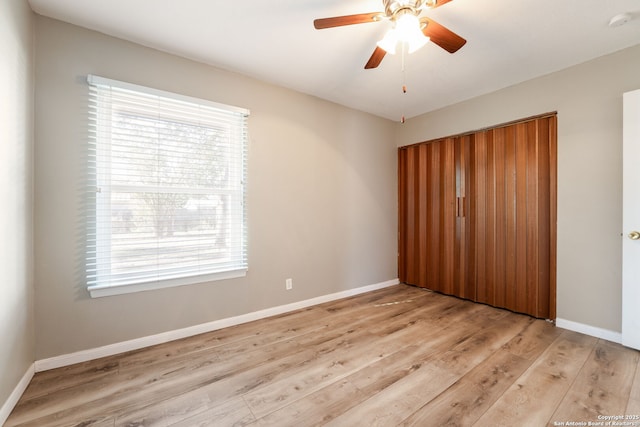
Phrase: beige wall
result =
(16, 219)
(588, 99)
(321, 195)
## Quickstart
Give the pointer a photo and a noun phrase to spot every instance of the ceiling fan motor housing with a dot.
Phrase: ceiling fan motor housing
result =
(393, 7)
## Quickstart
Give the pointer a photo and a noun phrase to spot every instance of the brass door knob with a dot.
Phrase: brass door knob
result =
(634, 235)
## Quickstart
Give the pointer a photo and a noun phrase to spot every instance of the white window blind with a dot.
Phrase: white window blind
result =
(167, 177)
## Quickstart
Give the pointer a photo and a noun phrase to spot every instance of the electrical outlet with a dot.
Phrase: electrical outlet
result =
(289, 284)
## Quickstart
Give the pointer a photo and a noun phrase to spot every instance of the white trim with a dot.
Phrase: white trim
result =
(135, 344)
(630, 213)
(17, 393)
(593, 331)
(106, 290)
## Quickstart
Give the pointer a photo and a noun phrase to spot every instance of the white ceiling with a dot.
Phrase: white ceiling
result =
(508, 41)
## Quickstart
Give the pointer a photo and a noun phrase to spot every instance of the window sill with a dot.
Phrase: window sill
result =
(105, 291)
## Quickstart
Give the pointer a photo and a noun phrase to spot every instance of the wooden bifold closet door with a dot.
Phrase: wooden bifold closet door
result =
(477, 216)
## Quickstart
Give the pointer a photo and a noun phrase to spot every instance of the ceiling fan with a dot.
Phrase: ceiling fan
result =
(407, 27)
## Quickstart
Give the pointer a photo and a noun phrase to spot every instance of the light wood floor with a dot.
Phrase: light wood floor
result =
(398, 356)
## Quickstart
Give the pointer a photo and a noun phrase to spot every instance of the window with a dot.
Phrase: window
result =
(167, 179)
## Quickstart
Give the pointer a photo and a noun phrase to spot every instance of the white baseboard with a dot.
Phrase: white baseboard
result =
(135, 344)
(12, 401)
(593, 331)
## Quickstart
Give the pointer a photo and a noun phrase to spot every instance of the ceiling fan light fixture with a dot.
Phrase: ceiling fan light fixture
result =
(389, 42)
(417, 43)
(406, 30)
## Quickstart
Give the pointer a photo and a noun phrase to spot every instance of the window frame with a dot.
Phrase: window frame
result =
(100, 196)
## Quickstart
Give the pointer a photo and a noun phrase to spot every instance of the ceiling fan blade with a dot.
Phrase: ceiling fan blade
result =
(376, 58)
(339, 21)
(442, 36)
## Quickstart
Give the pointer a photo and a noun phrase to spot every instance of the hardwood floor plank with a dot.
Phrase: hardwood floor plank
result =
(469, 397)
(533, 339)
(465, 401)
(534, 397)
(399, 400)
(107, 422)
(635, 388)
(162, 413)
(113, 392)
(317, 408)
(57, 379)
(602, 387)
(486, 313)
(321, 373)
(243, 336)
(231, 413)
(492, 336)
(369, 380)
(48, 382)
(397, 333)
(243, 376)
(378, 376)
(633, 405)
(396, 355)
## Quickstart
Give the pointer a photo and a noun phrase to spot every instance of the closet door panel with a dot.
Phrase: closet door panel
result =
(544, 224)
(437, 214)
(478, 212)
(430, 215)
(464, 271)
(498, 141)
(447, 217)
(409, 260)
(510, 179)
(520, 201)
(510, 223)
(553, 170)
(424, 215)
(427, 213)
(546, 138)
(517, 226)
(534, 240)
(450, 216)
(403, 226)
